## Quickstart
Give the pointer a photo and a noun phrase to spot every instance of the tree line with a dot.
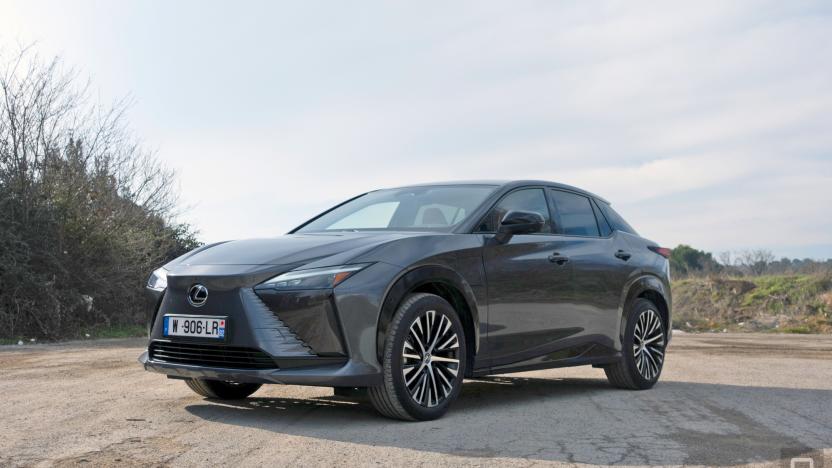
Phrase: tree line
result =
(85, 211)
(686, 261)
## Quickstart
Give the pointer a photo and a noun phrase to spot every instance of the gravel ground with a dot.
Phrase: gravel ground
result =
(724, 399)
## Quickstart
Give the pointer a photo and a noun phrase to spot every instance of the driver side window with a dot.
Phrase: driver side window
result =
(519, 200)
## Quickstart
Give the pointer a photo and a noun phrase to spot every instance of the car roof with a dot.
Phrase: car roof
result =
(510, 184)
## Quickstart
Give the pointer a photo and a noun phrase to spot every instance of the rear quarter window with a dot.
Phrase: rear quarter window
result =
(615, 219)
(603, 225)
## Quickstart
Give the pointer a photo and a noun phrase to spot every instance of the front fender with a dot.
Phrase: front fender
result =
(421, 276)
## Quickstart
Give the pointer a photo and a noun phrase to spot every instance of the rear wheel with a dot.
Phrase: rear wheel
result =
(424, 360)
(222, 390)
(643, 349)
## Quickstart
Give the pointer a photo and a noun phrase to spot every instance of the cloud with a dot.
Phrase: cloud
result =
(662, 177)
(705, 123)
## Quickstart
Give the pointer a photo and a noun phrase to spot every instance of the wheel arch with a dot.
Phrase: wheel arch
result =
(653, 289)
(443, 282)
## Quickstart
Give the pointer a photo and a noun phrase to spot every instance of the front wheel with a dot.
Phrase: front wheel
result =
(643, 348)
(423, 360)
(222, 390)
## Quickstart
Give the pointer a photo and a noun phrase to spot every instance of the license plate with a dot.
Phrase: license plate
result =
(195, 326)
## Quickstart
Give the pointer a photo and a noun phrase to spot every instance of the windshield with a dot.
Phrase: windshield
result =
(430, 208)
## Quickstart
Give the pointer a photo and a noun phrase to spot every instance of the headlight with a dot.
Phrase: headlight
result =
(158, 280)
(314, 278)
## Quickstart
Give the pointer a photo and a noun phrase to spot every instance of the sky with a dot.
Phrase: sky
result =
(704, 123)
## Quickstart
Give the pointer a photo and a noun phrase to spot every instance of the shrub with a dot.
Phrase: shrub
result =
(85, 212)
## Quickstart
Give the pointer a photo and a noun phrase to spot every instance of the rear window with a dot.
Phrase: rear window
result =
(615, 219)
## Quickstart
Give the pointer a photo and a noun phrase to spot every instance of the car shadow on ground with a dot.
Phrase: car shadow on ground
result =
(568, 420)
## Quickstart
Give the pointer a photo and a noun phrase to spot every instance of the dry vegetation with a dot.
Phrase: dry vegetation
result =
(780, 303)
(750, 291)
(85, 211)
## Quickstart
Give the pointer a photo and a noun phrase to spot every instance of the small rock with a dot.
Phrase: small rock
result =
(724, 330)
(676, 331)
(742, 324)
(20, 343)
(87, 335)
(31, 340)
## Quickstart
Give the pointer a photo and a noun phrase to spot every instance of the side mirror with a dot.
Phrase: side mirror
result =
(519, 222)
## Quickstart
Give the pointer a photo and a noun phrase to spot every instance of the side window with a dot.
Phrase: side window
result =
(603, 225)
(519, 200)
(615, 219)
(573, 214)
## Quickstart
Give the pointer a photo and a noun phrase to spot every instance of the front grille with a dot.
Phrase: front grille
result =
(196, 354)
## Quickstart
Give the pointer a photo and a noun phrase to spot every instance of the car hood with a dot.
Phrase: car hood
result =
(291, 249)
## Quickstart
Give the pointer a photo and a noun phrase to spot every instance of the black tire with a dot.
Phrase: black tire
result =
(641, 365)
(434, 382)
(222, 390)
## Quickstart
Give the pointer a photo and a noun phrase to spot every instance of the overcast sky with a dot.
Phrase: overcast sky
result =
(707, 123)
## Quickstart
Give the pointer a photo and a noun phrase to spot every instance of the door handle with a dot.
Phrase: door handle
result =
(623, 255)
(558, 258)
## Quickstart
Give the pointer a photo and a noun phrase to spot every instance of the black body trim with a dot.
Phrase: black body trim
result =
(412, 280)
(209, 355)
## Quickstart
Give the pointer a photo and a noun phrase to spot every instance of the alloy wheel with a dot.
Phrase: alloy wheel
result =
(648, 344)
(430, 359)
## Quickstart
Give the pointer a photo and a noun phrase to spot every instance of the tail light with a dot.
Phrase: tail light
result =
(663, 251)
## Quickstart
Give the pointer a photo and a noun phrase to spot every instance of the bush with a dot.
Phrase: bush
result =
(687, 261)
(85, 212)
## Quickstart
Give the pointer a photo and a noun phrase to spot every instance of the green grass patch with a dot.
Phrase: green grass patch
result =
(97, 333)
(775, 290)
(796, 330)
(116, 331)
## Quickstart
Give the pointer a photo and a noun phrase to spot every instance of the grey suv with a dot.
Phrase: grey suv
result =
(404, 292)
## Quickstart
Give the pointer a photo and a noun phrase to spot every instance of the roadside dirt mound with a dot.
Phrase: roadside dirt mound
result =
(789, 303)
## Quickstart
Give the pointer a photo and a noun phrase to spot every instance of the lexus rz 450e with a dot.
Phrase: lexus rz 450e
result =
(402, 293)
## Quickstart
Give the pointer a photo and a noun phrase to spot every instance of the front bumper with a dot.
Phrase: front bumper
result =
(315, 337)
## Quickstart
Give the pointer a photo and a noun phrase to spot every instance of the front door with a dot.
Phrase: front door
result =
(529, 284)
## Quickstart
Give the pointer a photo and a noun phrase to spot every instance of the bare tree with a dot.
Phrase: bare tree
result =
(755, 261)
(84, 210)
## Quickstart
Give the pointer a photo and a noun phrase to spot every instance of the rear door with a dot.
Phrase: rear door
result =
(600, 264)
(529, 289)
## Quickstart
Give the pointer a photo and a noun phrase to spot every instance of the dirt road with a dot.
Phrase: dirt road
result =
(723, 400)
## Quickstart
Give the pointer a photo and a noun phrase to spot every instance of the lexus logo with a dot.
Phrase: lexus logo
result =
(197, 295)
